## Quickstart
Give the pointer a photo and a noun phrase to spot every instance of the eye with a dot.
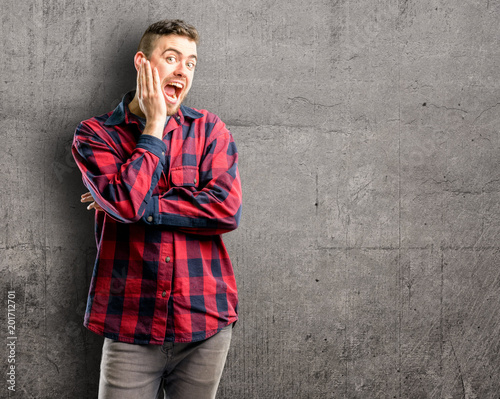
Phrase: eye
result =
(170, 59)
(191, 64)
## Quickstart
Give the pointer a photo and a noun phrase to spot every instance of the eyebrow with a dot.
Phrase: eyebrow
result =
(179, 53)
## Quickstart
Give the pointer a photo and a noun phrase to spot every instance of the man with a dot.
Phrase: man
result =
(164, 183)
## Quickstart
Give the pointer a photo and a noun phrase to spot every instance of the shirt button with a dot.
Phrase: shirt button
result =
(195, 180)
(163, 153)
(167, 259)
(150, 218)
(164, 294)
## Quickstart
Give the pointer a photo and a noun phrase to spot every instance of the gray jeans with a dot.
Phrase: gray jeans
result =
(178, 371)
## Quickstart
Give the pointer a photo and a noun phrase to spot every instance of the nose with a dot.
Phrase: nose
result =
(181, 69)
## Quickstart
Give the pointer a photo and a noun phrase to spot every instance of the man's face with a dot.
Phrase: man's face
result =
(175, 58)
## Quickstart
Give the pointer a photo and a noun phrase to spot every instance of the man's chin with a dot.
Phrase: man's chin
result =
(172, 109)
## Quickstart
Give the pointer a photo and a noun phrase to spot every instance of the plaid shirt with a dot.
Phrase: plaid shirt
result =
(162, 271)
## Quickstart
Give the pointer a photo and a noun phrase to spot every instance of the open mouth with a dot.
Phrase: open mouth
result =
(173, 91)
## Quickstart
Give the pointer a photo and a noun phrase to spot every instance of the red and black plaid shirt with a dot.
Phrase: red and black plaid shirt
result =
(162, 271)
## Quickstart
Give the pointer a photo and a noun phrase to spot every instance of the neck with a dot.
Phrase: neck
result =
(134, 107)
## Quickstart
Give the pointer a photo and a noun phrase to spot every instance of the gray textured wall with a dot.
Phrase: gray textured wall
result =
(368, 256)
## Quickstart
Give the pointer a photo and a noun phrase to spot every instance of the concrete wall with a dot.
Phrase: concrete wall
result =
(368, 255)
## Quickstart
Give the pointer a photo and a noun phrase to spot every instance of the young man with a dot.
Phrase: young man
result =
(164, 181)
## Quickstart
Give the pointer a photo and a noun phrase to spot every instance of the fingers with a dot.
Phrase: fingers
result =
(139, 74)
(156, 78)
(94, 205)
(144, 86)
(149, 78)
(150, 93)
(87, 197)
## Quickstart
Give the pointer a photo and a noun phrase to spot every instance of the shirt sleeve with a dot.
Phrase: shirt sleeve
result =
(205, 199)
(121, 185)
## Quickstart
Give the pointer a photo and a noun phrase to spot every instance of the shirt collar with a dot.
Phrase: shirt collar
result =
(122, 113)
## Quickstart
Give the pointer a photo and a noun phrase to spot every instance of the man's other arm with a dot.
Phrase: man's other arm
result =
(214, 206)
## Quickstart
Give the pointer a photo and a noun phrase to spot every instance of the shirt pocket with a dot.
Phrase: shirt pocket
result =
(185, 176)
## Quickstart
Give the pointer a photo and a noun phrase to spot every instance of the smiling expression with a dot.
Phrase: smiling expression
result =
(175, 57)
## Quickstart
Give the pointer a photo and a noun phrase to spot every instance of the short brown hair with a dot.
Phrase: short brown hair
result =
(164, 28)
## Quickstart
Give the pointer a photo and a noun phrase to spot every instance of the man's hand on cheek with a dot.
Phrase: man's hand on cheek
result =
(151, 99)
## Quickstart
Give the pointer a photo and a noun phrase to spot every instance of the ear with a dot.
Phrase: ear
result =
(138, 59)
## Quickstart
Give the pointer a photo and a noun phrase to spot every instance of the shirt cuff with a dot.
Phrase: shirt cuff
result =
(151, 215)
(153, 145)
